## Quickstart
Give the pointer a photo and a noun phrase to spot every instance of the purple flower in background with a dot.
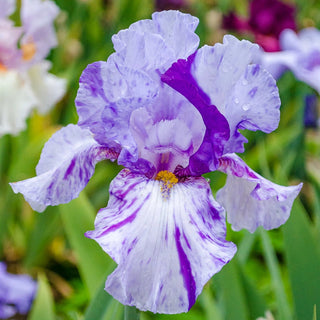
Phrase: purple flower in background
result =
(24, 78)
(169, 4)
(267, 19)
(16, 293)
(300, 54)
(311, 114)
(168, 112)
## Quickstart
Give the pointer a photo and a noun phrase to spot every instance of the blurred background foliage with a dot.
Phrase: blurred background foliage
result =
(275, 274)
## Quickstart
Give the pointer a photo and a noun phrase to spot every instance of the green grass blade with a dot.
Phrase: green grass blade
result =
(233, 295)
(303, 261)
(99, 305)
(131, 313)
(78, 217)
(43, 305)
(271, 259)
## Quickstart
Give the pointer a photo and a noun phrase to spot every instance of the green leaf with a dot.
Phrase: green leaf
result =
(131, 313)
(78, 217)
(36, 252)
(233, 294)
(43, 305)
(273, 266)
(100, 304)
(303, 261)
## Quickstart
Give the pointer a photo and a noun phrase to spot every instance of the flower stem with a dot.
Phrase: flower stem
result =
(131, 313)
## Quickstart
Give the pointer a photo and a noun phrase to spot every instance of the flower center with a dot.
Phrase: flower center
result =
(28, 51)
(168, 180)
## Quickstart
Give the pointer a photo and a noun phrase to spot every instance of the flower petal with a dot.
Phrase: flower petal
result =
(48, 88)
(106, 97)
(37, 18)
(7, 7)
(155, 44)
(166, 247)
(66, 165)
(253, 104)
(17, 291)
(168, 132)
(251, 200)
(217, 69)
(179, 77)
(17, 100)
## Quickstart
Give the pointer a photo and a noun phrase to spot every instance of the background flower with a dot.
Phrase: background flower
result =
(24, 78)
(267, 19)
(16, 293)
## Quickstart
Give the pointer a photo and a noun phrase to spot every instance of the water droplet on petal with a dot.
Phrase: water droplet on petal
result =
(244, 82)
(246, 107)
(236, 100)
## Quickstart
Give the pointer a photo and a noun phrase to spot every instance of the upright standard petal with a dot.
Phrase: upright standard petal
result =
(242, 91)
(107, 95)
(168, 240)
(66, 165)
(251, 200)
(167, 136)
(217, 128)
(155, 44)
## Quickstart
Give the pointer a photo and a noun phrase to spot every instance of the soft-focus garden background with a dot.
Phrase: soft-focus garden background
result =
(277, 272)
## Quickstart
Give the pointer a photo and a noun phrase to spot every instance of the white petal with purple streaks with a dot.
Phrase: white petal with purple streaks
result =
(253, 104)
(166, 248)
(217, 69)
(66, 164)
(106, 97)
(155, 44)
(251, 200)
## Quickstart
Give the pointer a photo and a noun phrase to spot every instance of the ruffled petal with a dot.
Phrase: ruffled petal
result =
(155, 44)
(167, 246)
(253, 104)
(37, 18)
(17, 100)
(66, 165)
(106, 97)
(217, 69)
(168, 132)
(251, 200)
(217, 132)
(48, 88)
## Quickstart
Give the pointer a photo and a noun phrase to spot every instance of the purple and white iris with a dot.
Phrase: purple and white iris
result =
(300, 53)
(24, 78)
(17, 292)
(168, 112)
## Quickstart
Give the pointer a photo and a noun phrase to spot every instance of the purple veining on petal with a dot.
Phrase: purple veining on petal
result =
(250, 199)
(66, 164)
(185, 270)
(217, 128)
(122, 223)
(70, 168)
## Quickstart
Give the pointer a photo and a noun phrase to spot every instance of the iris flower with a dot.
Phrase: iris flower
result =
(300, 53)
(24, 79)
(267, 19)
(16, 293)
(168, 112)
